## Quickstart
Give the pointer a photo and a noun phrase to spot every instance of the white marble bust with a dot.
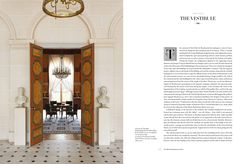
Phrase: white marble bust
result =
(103, 99)
(21, 99)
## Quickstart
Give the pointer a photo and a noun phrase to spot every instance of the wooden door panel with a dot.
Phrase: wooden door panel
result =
(77, 80)
(36, 94)
(45, 80)
(87, 94)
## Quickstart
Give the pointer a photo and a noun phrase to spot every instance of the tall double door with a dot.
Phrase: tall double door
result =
(36, 94)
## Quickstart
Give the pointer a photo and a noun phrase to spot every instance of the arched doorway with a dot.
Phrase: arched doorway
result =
(62, 33)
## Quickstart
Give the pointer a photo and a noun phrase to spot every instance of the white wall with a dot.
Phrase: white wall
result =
(51, 30)
(118, 79)
(19, 77)
(104, 72)
(29, 24)
(4, 80)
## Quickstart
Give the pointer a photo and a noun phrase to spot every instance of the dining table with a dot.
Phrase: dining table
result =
(61, 107)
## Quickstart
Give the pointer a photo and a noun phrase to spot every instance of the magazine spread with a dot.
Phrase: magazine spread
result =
(117, 82)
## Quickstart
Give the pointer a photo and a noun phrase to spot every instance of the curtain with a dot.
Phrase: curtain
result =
(67, 83)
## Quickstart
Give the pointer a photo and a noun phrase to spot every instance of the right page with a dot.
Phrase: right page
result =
(180, 86)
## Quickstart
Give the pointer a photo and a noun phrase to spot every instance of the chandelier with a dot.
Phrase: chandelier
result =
(63, 8)
(61, 72)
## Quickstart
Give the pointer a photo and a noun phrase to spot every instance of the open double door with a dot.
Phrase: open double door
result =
(87, 94)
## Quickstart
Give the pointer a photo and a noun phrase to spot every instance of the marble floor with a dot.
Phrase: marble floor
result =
(61, 151)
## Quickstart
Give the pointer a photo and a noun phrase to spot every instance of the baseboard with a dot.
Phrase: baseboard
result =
(112, 136)
(27, 138)
(11, 136)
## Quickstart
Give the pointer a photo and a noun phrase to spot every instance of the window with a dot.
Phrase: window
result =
(61, 89)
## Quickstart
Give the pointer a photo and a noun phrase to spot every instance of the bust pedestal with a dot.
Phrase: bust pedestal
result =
(104, 126)
(20, 126)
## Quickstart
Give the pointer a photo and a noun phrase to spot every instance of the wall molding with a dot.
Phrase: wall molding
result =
(41, 15)
(61, 44)
(20, 43)
(6, 19)
(117, 18)
(103, 42)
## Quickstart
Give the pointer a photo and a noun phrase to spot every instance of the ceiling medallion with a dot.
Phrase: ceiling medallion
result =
(63, 8)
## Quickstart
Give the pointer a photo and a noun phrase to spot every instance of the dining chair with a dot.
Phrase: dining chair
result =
(72, 111)
(69, 103)
(53, 103)
(49, 111)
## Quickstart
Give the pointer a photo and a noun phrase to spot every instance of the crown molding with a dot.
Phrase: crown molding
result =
(103, 42)
(21, 43)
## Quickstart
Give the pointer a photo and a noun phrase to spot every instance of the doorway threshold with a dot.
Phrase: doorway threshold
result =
(61, 136)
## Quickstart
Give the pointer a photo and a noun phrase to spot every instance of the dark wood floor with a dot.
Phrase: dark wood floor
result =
(61, 137)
